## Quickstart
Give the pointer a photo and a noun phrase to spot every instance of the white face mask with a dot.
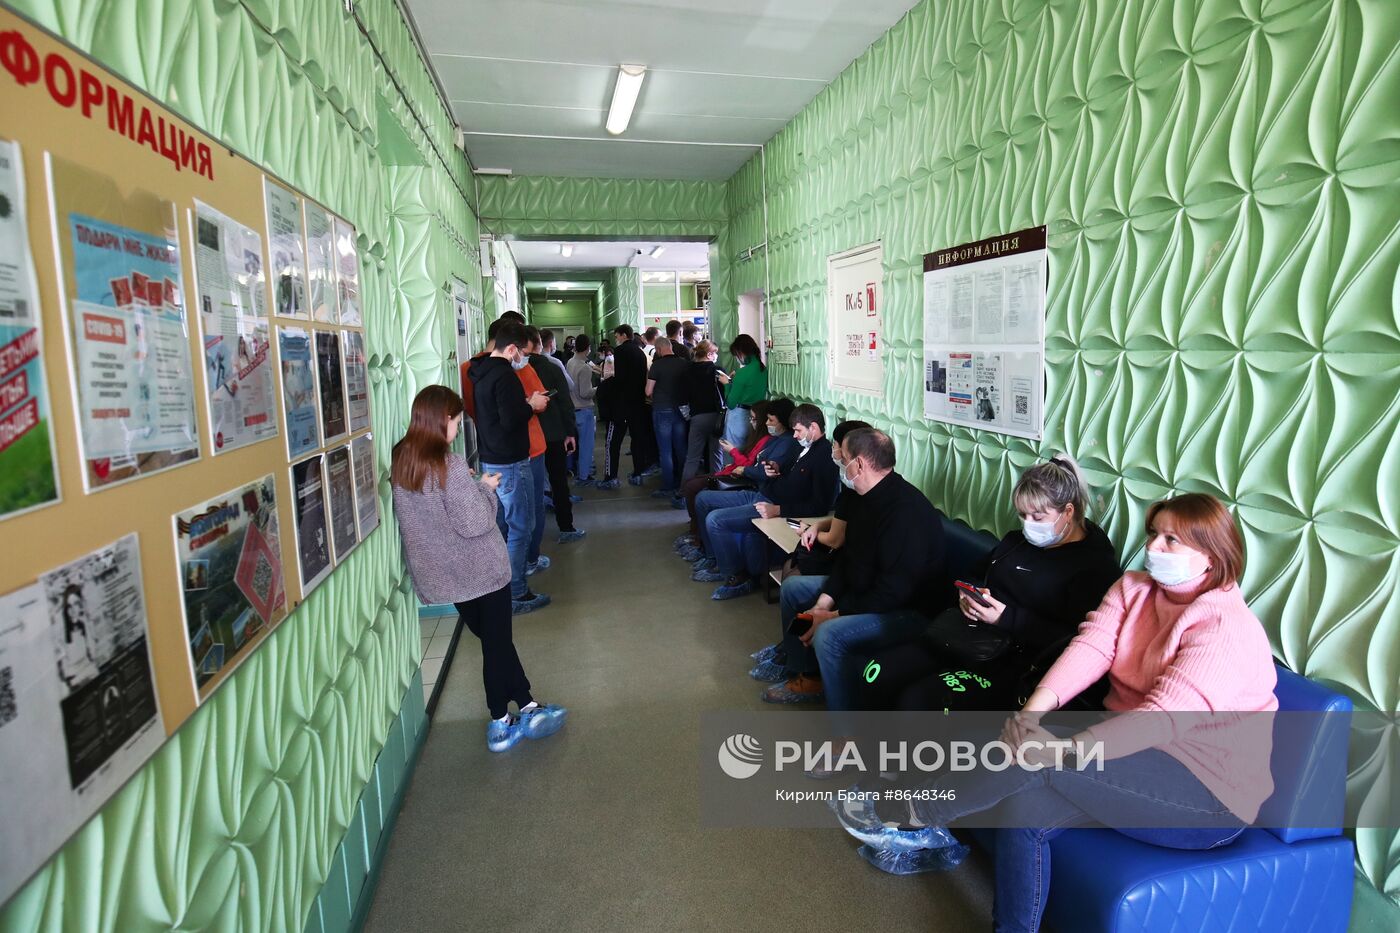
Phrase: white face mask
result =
(520, 362)
(846, 480)
(1042, 534)
(1171, 569)
(805, 442)
(774, 431)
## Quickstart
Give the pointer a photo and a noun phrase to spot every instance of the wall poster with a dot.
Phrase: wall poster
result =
(313, 541)
(784, 336)
(80, 714)
(330, 383)
(366, 488)
(299, 390)
(854, 303)
(347, 273)
(232, 317)
(340, 491)
(285, 247)
(230, 569)
(119, 259)
(984, 334)
(356, 380)
(28, 478)
(320, 263)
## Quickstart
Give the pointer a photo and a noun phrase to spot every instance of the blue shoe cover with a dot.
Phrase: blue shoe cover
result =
(502, 735)
(914, 863)
(764, 654)
(859, 818)
(769, 672)
(543, 721)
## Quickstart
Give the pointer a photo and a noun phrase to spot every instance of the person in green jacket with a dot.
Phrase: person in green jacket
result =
(746, 385)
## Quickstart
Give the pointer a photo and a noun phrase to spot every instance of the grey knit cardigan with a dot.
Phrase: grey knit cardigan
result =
(453, 547)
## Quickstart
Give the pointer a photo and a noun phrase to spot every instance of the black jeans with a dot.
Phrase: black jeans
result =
(556, 467)
(638, 423)
(488, 618)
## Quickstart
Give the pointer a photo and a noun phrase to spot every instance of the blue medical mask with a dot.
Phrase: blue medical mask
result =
(520, 363)
(805, 442)
(774, 430)
(1171, 569)
(1042, 534)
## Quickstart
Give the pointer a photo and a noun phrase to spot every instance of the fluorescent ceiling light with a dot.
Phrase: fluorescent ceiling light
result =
(566, 250)
(492, 171)
(657, 251)
(625, 91)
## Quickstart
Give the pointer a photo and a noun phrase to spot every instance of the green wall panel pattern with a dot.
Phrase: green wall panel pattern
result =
(1218, 179)
(547, 206)
(622, 301)
(235, 823)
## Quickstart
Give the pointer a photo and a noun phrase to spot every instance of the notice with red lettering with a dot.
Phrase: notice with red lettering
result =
(239, 390)
(230, 568)
(132, 364)
(28, 479)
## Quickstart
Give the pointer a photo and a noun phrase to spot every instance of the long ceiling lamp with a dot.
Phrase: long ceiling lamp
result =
(625, 91)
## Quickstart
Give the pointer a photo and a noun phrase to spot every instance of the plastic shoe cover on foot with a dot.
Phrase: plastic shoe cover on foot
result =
(769, 672)
(684, 542)
(520, 607)
(634, 480)
(764, 654)
(862, 821)
(708, 576)
(917, 862)
(733, 592)
(502, 735)
(692, 554)
(541, 563)
(543, 721)
(609, 483)
(576, 535)
(663, 493)
(704, 563)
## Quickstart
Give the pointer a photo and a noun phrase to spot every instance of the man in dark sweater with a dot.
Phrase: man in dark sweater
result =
(629, 409)
(560, 436)
(806, 489)
(503, 414)
(887, 575)
(673, 334)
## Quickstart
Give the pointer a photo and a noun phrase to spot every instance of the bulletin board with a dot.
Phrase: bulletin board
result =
(153, 545)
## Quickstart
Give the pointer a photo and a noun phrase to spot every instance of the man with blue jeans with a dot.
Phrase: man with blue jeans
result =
(807, 488)
(886, 581)
(584, 391)
(667, 388)
(503, 413)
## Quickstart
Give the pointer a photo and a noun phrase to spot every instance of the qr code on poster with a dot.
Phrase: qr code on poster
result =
(1022, 404)
(262, 578)
(8, 709)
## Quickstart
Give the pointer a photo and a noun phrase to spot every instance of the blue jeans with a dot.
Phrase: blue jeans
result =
(515, 517)
(537, 473)
(712, 500)
(587, 429)
(739, 547)
(736, 427)
(1133, 791)
(670, 430)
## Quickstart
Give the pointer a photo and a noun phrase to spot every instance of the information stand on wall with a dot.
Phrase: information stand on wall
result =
(984, 334)
(853, 297)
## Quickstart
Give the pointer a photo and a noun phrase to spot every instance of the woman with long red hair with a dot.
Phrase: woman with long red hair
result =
(455, 554)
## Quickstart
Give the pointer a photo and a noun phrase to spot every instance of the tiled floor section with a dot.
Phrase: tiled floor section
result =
(437, 635)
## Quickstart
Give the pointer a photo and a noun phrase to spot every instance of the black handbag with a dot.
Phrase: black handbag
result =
(956, 637)
(731, 482)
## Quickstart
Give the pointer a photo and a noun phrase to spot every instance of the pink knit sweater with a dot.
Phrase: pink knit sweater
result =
(1178, 649)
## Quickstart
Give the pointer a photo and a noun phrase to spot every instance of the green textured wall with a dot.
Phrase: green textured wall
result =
(622, 301)
(549, 313)
(546, 206)
(234, 825)
(1219, 181)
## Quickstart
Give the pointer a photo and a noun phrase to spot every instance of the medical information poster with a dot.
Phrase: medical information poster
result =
(340, 490)
(27, 475)
(286, 249)
(121, 260)
(313, 538)
(356, 380)
(299, 403)
(230, 565)
(320, 263)
(854, 304)
(783, 330)
(236, 336)
(330, 382)
(984, 334)
(366, 491)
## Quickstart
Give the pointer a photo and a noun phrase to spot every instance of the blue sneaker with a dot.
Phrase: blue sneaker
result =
(733, 591)
(542, 721)
(528, 603)
(709, 576)
(914, 863)
(576, 535)
(502, 735)
(540, 563)
(613, 483)
(635, 479)
(765, 654)
(769, 671)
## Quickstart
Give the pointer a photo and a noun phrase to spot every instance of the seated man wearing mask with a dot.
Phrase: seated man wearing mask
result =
(883, 587)
(782, 449)
(806, 488)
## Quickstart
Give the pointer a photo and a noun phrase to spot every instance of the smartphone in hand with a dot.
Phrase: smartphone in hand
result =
(972, 593)
(801, 623)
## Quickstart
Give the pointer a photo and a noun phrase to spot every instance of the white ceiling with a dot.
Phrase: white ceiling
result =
(531, 80)
(531, 255)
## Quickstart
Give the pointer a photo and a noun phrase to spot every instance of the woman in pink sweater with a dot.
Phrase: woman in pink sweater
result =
(1187, 664)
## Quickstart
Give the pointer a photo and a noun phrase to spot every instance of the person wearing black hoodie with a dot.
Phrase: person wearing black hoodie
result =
(1040, 582)
(503, 414)
(627, 400)
(560, 434)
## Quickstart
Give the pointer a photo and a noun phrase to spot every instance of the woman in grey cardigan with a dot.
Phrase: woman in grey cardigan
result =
(455, 554)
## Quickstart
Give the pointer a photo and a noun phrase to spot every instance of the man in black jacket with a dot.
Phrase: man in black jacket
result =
(503, 415)
(560, 434)
(806, 489)
(629, 409)
(888, 574)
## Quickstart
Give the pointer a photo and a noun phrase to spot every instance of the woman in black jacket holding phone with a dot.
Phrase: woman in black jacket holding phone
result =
(1039, 584)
